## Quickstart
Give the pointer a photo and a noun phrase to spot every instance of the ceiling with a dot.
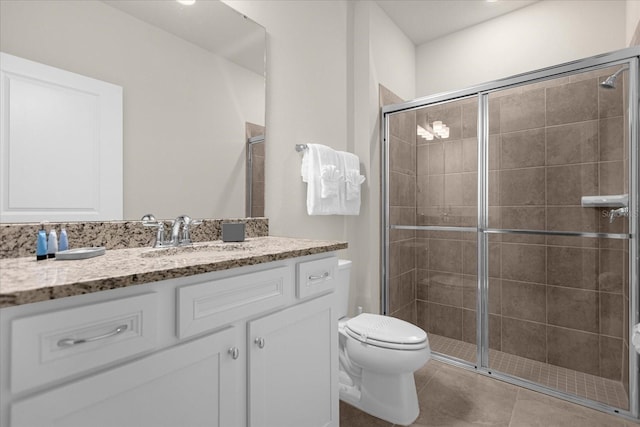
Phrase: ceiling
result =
(425, 20)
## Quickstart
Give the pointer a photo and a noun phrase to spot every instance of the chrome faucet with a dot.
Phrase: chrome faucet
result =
(615, 213)
(182, 223)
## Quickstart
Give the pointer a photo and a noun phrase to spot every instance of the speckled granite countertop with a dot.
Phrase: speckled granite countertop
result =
(25, 280)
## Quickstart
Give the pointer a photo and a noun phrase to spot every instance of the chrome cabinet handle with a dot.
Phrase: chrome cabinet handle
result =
(322, 276)
(260, 342)
(68, 342)
(234, 352)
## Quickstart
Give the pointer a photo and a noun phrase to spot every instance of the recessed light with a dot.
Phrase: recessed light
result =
(186, 2)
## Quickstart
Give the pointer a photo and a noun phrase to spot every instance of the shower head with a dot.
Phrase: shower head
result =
(610, 82)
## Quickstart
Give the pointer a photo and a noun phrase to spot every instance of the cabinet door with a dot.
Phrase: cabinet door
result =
(293, 366)
(193, 384)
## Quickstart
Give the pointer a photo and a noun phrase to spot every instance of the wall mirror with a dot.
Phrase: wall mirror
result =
(193, 79)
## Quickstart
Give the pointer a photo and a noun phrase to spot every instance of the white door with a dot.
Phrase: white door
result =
(293, 367)
(193, 384)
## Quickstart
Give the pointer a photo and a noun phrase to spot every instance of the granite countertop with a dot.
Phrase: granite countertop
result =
(25, 280)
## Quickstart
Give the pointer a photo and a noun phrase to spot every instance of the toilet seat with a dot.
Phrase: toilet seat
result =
(386, 332)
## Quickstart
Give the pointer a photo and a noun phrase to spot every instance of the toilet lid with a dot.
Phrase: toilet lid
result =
(386, 332)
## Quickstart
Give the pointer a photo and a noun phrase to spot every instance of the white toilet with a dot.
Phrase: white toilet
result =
(378, 356)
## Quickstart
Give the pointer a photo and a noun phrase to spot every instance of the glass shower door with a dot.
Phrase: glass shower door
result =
(557, 265)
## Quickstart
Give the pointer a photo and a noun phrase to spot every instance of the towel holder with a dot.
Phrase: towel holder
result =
(301, 147)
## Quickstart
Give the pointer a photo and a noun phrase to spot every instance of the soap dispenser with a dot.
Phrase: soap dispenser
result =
(52, 245)
(64, 241)
(41, 244)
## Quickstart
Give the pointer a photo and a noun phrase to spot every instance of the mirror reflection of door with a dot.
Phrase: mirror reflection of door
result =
(255, 170)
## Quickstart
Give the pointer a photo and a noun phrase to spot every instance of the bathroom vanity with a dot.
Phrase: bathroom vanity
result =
(220, 335)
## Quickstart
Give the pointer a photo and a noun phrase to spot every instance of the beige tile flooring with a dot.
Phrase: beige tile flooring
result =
(579, 384)
(453, 396)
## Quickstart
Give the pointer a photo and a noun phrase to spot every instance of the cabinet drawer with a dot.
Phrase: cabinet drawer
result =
(215, 303)
(55, 345)
(316, 277)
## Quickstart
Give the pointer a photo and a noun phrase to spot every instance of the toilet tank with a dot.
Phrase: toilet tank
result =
(342, 287)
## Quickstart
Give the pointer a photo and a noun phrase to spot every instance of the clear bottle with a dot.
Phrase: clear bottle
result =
(52, 244)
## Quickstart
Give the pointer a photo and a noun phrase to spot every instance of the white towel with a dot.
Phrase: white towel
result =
(322, 171)
(352, 180)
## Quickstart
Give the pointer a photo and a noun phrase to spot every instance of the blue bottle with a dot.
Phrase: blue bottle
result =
(64, 241)
(41, 244)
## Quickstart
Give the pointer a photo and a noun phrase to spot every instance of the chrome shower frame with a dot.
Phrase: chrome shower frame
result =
(629, 57)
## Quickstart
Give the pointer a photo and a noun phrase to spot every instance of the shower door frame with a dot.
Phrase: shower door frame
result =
(629, 56)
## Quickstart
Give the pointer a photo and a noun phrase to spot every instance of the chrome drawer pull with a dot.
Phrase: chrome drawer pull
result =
(323, 276)
(234, 352)
(68, 342)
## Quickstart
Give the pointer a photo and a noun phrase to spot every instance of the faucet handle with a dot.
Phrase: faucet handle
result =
(189, 223)
(149, 220)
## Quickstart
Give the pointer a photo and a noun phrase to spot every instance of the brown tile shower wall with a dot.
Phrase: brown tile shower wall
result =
(402, 192)
(560, 300)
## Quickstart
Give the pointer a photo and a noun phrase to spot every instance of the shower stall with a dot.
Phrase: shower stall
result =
(510, 227)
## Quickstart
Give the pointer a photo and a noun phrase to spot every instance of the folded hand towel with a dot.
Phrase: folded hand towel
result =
(330, 179)
(322, 172)
(351, 187)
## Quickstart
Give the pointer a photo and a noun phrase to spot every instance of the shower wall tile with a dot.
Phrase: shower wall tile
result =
(470, 119)
(402, 189)
(401, 216)
(524, 217)
(572, 267)
(422, 284)
(444, 320)
(469, 330)
(407, 313)
(422, 159)
(402, 257)
(611, 358)
(572, 102)
(567, 184)
(612, 272)
(445, 288)
(401, 156)
(445, 255)
(452, 157)
(611, 311)
(522, 111)
(470, 155)
(524, 338)
(611, 138)
(523, 149)
(572, 143)
(402, 290)
(570, 218)
(611, 177)
(573, 308)
(573, 349)
(610, 101)
(470, 189)
(524, 263)
(435, 158)
(430, 191)
(522, 187)
(453, 189)
(524, 301)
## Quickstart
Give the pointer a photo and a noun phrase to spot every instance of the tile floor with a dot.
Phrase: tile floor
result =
(453, 396)
(577, 383)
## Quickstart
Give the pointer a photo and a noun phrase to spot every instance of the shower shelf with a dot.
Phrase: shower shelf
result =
(611, 201)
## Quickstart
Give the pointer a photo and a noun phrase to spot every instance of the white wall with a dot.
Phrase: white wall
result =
(382, 55)
(184, 108)
(632, 25)
(543, 34)
(306, 103)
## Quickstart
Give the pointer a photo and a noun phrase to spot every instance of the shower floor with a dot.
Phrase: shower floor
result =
(591, 387)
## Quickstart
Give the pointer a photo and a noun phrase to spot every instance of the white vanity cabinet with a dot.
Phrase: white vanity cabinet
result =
(190, 384)
(249, 346)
